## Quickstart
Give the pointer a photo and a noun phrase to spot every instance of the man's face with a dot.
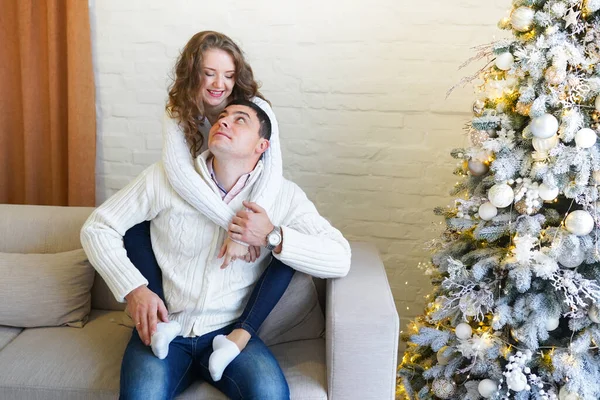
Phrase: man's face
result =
(235, 134)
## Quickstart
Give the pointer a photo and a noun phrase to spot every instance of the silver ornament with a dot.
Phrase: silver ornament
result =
(443, 358)
(487, 211)
(579, 222)
(544, 126)
(547, 193)
(572, 259)
(501, 195)
(521, 19)
(477, 168)
(443, 388)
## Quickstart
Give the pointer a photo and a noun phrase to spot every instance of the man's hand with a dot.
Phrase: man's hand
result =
(145, 308)
(232, 251)
(251, 226)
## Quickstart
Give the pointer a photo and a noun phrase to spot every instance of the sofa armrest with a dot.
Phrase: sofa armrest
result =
(362, 328)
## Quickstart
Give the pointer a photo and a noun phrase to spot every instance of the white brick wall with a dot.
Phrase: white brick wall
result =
(358, 88)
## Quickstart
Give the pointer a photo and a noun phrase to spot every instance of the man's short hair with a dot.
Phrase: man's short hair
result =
(263, 118)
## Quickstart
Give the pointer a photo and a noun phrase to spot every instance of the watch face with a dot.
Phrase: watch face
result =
(274, 239)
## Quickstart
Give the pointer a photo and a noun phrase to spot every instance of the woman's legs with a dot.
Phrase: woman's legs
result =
(267, 292)
(138, 245)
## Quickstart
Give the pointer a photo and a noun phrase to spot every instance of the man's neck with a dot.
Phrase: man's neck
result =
(228, 172)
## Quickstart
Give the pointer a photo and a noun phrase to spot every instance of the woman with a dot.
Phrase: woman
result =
(209, 73)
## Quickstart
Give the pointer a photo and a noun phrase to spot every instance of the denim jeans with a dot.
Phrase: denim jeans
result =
(267, 292)
(253, 374)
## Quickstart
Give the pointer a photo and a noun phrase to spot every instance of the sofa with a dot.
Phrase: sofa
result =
(355, 358)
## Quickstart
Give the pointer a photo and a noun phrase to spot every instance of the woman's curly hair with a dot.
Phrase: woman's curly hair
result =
(185, 101)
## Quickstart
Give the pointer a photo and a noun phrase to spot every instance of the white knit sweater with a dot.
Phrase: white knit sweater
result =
(200, 295)
(179, 168)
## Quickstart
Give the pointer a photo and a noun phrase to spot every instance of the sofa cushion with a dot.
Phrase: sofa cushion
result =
(41, 229)
(45, 289)
(7, 334)
(303, 364)
(66, 363)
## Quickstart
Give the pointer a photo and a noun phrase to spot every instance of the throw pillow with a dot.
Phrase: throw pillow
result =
(45, 289)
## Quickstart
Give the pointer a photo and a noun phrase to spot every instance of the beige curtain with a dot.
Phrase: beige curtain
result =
(47, 103)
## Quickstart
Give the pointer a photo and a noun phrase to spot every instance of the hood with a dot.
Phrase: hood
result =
(179, 168)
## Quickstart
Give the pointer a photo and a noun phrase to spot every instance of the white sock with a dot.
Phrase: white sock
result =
(224, 352)
(160, 340)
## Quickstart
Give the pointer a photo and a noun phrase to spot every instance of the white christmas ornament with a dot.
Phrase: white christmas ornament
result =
(597, 103)
(501, 195)
(487, 211)
(564, 394)
(505, 61)
(544, 126)
(516, 380)
(516, 371)
(442, 358)
(555, 76)
(487, 388)
(477, 168)
(547, 193)
(521, 19)
(571, 260)
(463, 331)
(545, 145)
(594, 315)
(443, 388)
(585, 138)
(579, 223)
(552, 323)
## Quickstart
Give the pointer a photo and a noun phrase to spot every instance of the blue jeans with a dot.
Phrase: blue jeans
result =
(267, 292)
(265, 295)
(254, 374)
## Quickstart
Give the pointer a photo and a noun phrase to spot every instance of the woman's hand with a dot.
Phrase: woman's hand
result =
(232, 251)
(253, 254)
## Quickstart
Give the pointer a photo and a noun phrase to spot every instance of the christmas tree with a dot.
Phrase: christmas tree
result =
(516, 272)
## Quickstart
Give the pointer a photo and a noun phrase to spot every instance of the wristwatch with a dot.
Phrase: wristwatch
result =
(274, 238)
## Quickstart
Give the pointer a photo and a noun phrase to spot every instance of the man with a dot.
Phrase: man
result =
(204, 299)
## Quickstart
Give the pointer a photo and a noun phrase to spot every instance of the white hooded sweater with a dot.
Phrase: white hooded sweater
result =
(199, 295)
(179, 167)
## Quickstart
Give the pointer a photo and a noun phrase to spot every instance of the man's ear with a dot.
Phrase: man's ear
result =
(262, 146)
